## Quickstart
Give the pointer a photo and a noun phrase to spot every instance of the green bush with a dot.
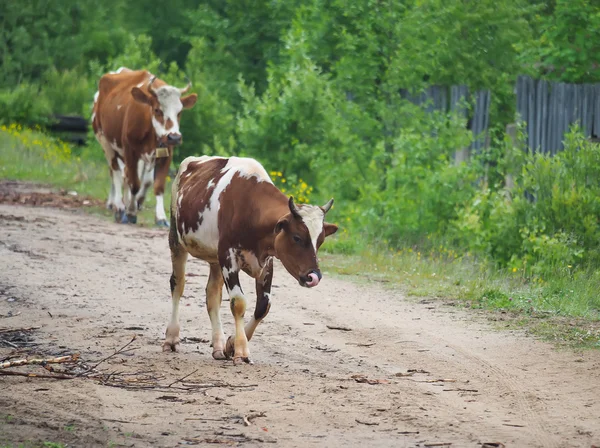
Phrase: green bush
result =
(551, 223)
(25, 104)
(69, 92)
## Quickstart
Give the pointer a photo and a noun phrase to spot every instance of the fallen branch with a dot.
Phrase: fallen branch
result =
(6, 316)
(34, 375)
(9, 343)
(460, 390)
(333, 327)
(247, 419)
(437, 444)
(182, 378)
(14, 330)
(366, 423)
(439, 380)
(118, 352)
(24, 362)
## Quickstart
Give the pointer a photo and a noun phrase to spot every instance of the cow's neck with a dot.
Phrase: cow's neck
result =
(273, 206)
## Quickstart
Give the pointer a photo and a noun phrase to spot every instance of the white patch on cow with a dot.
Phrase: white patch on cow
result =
(251, 263)
(117, 178)
(160, 208)
(116, 148)
(313, 217)
(140, 84)
(234, 265)
(120, 69)
(169, 98)
(93, 116)
(247, 168)
(119, 106)
(267, 295)
(236, 291)
(121, 164)
(96, 95)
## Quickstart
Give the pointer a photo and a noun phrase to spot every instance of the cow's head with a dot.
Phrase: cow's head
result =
(299, 234)
(166, 104)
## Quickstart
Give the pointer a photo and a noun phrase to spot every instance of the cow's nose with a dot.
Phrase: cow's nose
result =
(174, 139)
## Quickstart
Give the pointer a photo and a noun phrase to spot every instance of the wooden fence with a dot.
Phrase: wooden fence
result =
(455, 99)
(550, 108)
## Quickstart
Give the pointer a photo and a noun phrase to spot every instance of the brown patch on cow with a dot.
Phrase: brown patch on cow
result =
(123, 113)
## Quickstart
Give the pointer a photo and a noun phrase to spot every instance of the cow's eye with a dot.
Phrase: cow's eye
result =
(297, 239)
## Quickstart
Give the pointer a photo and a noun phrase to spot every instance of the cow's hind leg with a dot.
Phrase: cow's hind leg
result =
(115, 198)
(161, 170)
(214, 294)
(146, 174)
(178, 259)
(263, 298)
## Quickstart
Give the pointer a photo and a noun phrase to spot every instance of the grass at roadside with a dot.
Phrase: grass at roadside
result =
(30, 155)
(564, 308)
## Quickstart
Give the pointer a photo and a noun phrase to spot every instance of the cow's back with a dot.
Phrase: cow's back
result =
(202, 187)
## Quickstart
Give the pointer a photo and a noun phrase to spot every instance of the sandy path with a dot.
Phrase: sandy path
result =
(97, 279)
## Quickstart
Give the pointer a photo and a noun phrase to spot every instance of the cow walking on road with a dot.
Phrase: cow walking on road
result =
(227, 212)
(134, 114)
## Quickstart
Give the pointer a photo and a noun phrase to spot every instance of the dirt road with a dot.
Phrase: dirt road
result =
(91, 284)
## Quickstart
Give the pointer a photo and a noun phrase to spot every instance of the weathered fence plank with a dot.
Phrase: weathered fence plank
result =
(549, 109)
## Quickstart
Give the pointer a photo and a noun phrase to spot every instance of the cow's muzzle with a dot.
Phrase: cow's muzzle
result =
(174, 139)
(311, 279)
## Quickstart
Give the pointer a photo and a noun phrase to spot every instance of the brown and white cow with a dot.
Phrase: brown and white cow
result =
(134, 114)
(227, 212)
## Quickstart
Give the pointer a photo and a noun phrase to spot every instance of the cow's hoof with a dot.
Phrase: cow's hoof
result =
(229, 348)
(132, 219)
(171, 346)
(120, 217)
(162, 223)
(218, 354)
(238, 360)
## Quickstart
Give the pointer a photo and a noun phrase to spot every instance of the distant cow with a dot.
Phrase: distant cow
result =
(227, 212)
(134, 114)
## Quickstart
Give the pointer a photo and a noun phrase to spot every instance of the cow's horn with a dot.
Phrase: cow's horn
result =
(150, 84)
(186, 88)
(327, 206)
(293, 208)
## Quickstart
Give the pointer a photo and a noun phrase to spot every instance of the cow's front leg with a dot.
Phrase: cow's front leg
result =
(263, 298)
(237, 345)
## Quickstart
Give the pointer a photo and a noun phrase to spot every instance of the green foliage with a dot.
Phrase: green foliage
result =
(311, 89)
(25, 104)
(568, 44)
(68, 93)
(551, 223)
(415, 189)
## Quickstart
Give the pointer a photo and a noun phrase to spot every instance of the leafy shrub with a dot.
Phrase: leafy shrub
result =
(24, 104)
(552, 220)
(69, 92)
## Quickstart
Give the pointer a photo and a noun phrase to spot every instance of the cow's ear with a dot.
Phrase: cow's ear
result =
(140, 96)
(282, 224)
(329, 229)
(189, 101)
